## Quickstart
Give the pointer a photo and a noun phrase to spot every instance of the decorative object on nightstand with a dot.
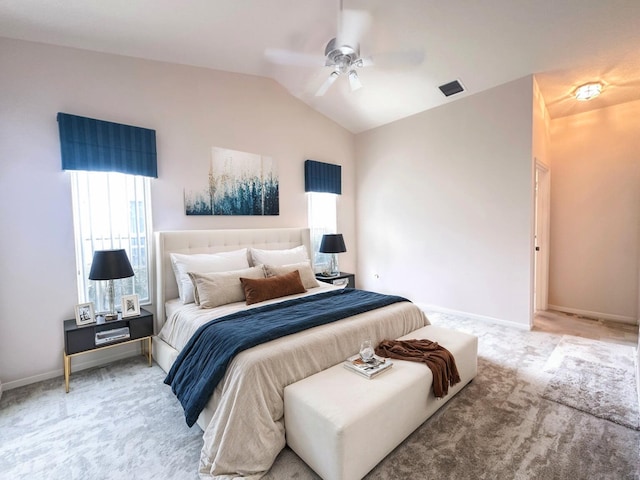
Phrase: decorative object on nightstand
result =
(84, 313)
(343, 279)
(333, 244)
(130, 306)
(110, 265)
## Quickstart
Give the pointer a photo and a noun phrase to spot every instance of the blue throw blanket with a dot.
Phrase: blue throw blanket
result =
(203, 361)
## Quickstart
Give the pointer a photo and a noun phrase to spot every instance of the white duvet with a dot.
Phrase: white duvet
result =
(246, 430)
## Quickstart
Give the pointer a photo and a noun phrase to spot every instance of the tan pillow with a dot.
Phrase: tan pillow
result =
(306, 273)
(215, 289)
(182, 264)
(259, 290)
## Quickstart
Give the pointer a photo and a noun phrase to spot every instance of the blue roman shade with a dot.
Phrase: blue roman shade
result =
(322, 177)
(96, 145)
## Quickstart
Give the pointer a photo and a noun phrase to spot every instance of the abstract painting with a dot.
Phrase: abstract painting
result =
(239, 183)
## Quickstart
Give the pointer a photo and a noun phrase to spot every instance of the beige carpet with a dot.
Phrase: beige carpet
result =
(595, 377)
(121, 421)
(605, 392)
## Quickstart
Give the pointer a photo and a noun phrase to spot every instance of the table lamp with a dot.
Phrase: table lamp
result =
(333, 243)
(109, 265)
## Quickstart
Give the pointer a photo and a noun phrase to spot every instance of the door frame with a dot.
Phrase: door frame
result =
(541, 232)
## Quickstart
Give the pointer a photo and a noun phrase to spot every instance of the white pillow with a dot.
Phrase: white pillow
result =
(204, 263)
(215, 289)
(306, 272)
(279, 257)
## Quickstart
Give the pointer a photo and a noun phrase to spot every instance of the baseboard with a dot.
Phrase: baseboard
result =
(82, 362)
(482, 318)
(597, 315)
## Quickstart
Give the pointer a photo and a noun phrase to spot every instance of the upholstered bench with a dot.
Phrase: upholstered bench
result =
(342, 424)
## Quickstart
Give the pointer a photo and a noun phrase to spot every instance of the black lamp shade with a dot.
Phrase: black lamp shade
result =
(110, 264)
(332, 243)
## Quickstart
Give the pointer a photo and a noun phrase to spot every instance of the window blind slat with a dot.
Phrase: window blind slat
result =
(111, 211)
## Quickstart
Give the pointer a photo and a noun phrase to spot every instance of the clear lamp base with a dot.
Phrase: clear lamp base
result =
(334, 270)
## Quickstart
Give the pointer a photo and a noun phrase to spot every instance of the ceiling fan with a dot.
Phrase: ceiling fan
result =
(342, 53)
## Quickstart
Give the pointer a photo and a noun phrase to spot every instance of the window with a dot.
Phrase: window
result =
(111, 210)
(322, 182)
(110, 165)
(322, 219)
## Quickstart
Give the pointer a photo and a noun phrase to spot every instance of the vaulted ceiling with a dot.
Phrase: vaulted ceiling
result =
(416, 45)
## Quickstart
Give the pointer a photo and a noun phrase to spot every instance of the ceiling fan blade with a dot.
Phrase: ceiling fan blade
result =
(327, 83)
(394, 59)
(352, 25)
(354, 80)
(287, 57)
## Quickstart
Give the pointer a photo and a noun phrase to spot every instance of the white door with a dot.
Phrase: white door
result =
(542, 206)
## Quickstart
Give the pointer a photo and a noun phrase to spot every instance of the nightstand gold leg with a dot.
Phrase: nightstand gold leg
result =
(67, 370)
(148, 349)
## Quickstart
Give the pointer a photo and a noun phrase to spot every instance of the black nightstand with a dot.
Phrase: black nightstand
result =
(346, 280)
(96, 336)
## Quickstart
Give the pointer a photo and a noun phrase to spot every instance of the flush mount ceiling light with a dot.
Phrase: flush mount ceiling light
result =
(588, 91)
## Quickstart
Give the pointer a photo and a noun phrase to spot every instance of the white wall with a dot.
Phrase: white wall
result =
(192, 109)
(595, 213)
(445, 205)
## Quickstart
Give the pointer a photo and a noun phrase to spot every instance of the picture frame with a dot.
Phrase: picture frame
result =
(85, 314)
(130, 306)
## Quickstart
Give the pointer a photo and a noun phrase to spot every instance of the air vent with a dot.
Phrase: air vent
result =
(451, 88)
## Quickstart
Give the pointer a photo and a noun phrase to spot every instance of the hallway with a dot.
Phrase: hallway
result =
(597, 329)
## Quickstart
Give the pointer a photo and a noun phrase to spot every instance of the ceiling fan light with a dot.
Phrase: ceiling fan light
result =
(354, 81)
(327, 83)
(588, 91)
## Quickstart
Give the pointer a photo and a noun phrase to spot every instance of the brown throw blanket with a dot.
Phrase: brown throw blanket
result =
(438, 359)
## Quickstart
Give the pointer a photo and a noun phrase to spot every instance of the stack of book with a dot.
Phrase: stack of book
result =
(370, 369)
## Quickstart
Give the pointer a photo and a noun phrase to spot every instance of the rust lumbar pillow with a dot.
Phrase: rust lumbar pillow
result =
(258, 290)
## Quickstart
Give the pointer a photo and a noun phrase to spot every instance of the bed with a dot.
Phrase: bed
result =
(243, 420)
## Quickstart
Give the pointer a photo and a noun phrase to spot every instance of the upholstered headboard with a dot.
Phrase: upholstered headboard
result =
(214, 241)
